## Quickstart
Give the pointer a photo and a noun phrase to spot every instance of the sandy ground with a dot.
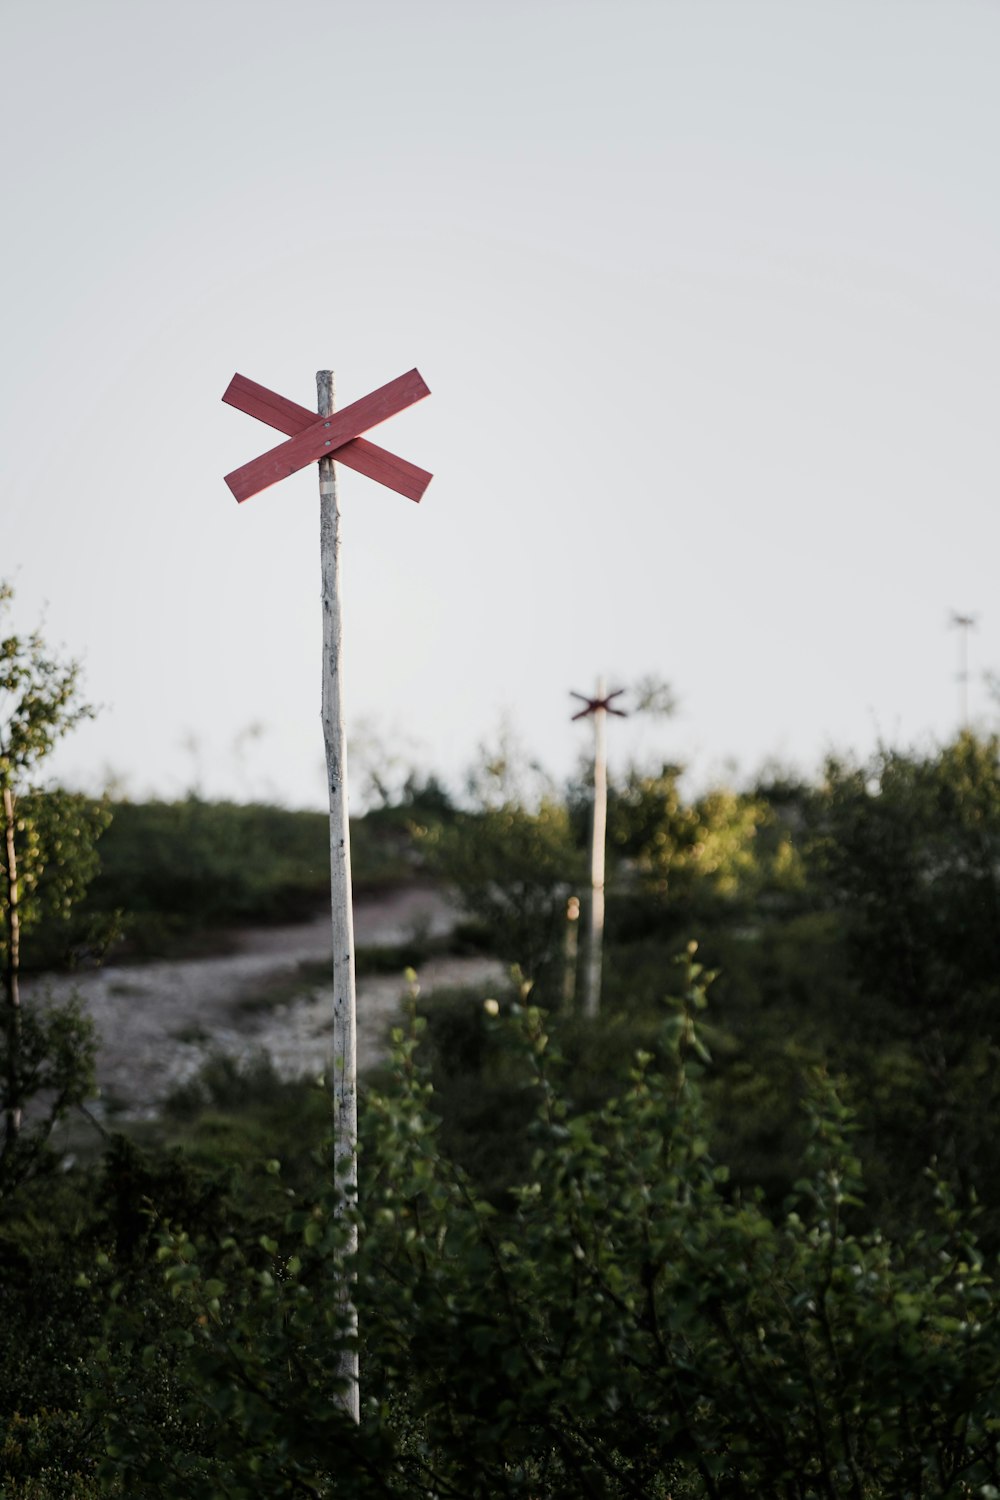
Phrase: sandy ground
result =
(158, 1022)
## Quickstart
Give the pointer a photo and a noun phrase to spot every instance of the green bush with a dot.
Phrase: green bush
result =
(628, 1329)
(202, 864)
(47, 861)
(181, 869)
(511, 869)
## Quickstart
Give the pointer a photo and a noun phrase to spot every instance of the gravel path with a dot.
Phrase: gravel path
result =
(158, 1022)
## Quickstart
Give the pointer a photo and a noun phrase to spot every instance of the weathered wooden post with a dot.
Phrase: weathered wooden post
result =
(326, 436)
(345, 1028)
(597, 708)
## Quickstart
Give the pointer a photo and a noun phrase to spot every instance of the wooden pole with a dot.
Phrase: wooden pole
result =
(345, 1074)
(592, 992)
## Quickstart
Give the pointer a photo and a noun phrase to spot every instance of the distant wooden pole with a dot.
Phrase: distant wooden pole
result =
(345, 1068)
(598, 835)
(598, 709)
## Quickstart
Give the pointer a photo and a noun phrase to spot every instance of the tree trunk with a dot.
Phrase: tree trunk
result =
(12, 993)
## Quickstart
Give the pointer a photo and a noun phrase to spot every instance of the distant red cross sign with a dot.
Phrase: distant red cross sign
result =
(338, 436)
(593, 704)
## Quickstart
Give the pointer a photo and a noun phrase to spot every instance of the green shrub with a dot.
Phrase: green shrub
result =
(628, 1329)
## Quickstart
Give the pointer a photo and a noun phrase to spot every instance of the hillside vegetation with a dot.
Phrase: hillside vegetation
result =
(735, 1237)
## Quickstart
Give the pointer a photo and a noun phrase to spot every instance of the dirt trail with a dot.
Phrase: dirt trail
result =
(158, 1022)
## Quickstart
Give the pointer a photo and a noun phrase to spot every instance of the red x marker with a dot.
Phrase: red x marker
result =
(313, 437)
(594, 704)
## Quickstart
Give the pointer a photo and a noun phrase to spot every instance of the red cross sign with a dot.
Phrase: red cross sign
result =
(311, 437)
(595, 704)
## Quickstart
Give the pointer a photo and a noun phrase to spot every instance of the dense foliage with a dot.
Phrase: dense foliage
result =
(185, 871)
(47, 860)
(627, 1328)
(513, 868)
(656, 1255)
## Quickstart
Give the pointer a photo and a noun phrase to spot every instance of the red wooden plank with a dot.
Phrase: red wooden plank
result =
(377, 463)
(326, 435)
(267, 406)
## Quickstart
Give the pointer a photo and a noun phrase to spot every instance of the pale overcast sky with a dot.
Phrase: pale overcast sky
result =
(706, 292)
